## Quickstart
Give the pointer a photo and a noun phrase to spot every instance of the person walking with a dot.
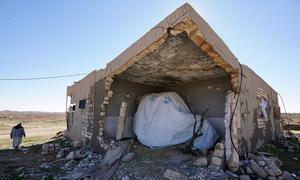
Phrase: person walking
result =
(17, 133)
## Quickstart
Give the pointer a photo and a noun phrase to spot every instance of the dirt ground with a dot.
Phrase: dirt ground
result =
(29, 158)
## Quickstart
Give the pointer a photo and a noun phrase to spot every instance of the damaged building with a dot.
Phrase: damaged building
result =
(182, 55)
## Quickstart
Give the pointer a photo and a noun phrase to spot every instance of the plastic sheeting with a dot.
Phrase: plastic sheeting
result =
(208, 138)
(163, 120)
(263, 105)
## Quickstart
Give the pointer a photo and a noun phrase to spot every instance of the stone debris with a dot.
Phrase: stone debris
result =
(45, 166)
(21, 175)
(77, 144)
(264, 166)
(261, 163)
(249, 170)
(216, 162)
(125, 178)
(286, 175)
(258, 170)
(50, 148)
(218, 159)
(245, 177)
(173, 175)
(274, 168)
(269, 171)
(60, 154)
(78, 162)
(219, 153)
(220, 145)
(201, 162)
(128, 157)
(70, 156)
(19, 170)
(112, 155)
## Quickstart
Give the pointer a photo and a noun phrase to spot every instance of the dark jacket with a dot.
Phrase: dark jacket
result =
(17, 131)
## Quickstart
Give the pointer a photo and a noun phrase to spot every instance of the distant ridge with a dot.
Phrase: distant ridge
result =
(30, 114)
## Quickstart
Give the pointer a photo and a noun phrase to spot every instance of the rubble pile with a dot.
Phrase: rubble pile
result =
(126, 160)
(264, 165)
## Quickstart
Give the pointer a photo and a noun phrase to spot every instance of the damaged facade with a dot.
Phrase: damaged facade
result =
(181, 54)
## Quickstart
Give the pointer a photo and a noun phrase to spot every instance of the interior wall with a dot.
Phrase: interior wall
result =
(204, 94)
(120, 89)
(198, 95)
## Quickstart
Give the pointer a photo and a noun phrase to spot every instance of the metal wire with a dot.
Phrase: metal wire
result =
(42, 78)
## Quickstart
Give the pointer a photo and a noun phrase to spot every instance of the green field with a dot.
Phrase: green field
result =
(39, 127)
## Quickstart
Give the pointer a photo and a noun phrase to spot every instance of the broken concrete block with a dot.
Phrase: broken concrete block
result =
(261, 163)
(249, 170)
(216, 161)
(272, 178)
(214, 168)
(19, 170)
(75, 175)
(44, 152)
(50, 145)
(21, 175)
(201, 162)
(60, 154)
(45, 166)
(286, 175)
(112, 155)
(128, 157)
(274, 168)
(280, 178)
(70, 156)
(77, 144)
(277, 161)
(173, 175)
(255, 157)
(45, 147)
(245, 177)
(260, 171)
(78, 155)
(51, 150)
(219, 153)
(70, 163)
(220, 145)
(269, 171)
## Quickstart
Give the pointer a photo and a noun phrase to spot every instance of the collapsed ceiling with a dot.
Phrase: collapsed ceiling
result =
(177, 60)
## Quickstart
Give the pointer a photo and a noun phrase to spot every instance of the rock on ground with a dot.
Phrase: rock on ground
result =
(201, 162)
(128, 157)
(173, 175)
(245, 177)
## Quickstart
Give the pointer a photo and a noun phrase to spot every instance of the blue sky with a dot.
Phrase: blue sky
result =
(57, 37)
